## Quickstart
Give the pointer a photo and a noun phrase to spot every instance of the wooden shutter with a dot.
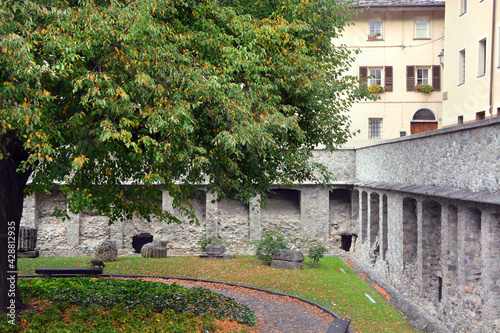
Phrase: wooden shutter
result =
(436, 77)
(388, 78)
(363, 73)
(410, 78)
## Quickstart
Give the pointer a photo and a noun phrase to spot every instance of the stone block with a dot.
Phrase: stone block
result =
(28, 254)
(106, 251)
(27, 239)
(215, 249)
(286, 264)
(152, 250)
(288, 255)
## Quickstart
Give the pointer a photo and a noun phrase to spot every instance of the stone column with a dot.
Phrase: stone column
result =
(211, 214)
(491, 267)
(254, 219)
(116, 233)
(28, 217)
(73, 229)
(315, 213)
(167, 202)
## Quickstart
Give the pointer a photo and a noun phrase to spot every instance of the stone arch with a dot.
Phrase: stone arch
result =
(410, 232)
(423, 120)
(432, 282)
(385, 242)
(342, 226)
(364, 216)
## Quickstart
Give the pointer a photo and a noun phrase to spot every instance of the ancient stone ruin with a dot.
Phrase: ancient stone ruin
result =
(287, 259)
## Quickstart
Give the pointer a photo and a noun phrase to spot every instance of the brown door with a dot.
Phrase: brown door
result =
(422, 127)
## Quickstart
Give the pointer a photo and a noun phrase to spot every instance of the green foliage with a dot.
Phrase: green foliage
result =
(116, 319)
(131, 294)
(271, 240)
(205, 240)
(168, 94)
(316, 253)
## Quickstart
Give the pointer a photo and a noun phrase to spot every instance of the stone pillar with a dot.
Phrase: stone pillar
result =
(211, 214)
(73, 229)
(116, 233)
(491, 267)
(28, 217)
(315, 213)
(254, 219)
(167, 202)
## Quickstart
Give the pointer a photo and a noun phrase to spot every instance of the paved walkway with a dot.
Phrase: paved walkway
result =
(274, 313)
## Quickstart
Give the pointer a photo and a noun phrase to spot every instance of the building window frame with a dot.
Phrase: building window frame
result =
(422, 28)
(375, 30)
(375, 76)
(375, 128)
(481, 58)
(462, 7)
(461, 67)
(423, 75)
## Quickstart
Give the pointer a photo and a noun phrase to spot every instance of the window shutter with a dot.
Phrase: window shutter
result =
(388, 78)
(363, 73)
(410, 78)
(436, 77)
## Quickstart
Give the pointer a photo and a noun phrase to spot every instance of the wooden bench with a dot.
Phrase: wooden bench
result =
(68, 271)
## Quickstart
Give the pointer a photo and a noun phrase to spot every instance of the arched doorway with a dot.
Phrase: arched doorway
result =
(423, 120)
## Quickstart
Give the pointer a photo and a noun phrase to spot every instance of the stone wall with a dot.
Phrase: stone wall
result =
(423, 211)
(461, 157)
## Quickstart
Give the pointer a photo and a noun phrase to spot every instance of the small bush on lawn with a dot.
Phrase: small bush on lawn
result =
(271, 240)
(205, 240)
(131, 294)
(316, 253)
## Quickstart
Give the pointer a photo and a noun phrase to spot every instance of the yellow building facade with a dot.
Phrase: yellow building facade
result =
(471, 58)
(399, 45)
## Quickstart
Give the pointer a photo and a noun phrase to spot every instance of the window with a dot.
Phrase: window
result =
(481, 58)
(460, 119)
(461, 67)
(463, 6)
(422, 29)
(375, 128)
(481, 115)
(430, 75)
(423, 75)
(375, 30)
(375, 76)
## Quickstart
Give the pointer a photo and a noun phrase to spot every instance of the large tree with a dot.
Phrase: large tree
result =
(163, 95)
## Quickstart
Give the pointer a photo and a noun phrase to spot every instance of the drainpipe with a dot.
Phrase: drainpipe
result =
(493, 29)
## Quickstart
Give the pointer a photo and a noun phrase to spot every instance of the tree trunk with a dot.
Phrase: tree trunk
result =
(12, 185)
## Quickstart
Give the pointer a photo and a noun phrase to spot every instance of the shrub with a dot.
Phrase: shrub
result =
(316, 253)
(131, 294)
(205, 240)
(271, 240)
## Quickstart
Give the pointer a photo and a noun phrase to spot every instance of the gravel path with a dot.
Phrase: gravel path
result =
(274, 313)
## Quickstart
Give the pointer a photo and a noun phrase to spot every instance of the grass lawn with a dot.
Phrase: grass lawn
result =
(326, 284)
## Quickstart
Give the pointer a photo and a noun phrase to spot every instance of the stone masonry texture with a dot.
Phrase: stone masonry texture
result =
(422, 211)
